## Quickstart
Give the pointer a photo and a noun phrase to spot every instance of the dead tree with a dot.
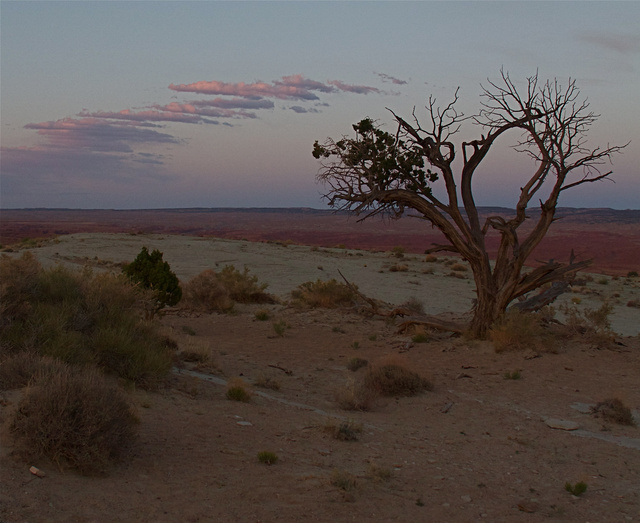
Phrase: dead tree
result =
(378, 172)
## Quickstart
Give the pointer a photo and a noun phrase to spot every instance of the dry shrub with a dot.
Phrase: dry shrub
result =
(207, 293)
(356, 363)
(18, 284)
(459, 267)
(238, 390)
(391, 377)
(17, 370)
(591, 324)
(399, 267)
(355, 395)
(267, 382)
(413, 305)
(77, 317)
(615, 411)
(344, 430)
(76, 418)
(328, 294)
(518, 330)
(431, 258)
(212, 291)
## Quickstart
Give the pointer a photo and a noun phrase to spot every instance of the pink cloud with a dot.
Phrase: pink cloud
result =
(257, 89)
(235, 103)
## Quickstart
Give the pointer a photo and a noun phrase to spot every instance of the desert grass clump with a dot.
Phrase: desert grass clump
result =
(459, 267)
(576, 490)
(345, 430)
(391, 377)
(399, 267)
(518, 330)
(512, 375)
(280, 328)
(398, 252)
(591, 323)
(356, 363)
(328, 294)
(355, 395)
(379, 473)
(413, 305)
(614, 411)
(267, 382)
(212, 291)
(343, 480)
(430, 258)
(267, 457)
(238, 390)
(18, 370)
(76, 418)
(262, 315)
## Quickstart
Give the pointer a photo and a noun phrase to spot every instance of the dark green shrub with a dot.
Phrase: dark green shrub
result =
(76, 418)
(151, 272)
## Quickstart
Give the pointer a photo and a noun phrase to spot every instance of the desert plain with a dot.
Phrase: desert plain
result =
(478, 447)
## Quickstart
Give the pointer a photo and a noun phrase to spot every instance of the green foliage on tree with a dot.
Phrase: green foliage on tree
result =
(151, 272)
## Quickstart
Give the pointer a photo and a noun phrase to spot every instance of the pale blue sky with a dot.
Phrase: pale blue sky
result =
(89, 119)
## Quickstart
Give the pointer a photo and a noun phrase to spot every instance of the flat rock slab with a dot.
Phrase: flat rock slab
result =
(561, 424)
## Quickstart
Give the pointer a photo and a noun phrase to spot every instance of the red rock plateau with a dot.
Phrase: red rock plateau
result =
(610, 237)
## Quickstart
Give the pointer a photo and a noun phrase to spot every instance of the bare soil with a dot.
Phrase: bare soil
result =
(476, 448)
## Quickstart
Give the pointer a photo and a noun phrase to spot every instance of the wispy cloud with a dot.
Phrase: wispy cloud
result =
(293, 87)
(623, 44)
(357, 89)
(392, 79)
(302, 110)
(98, 135)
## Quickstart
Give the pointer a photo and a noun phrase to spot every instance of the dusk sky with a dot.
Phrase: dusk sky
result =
(145, 104)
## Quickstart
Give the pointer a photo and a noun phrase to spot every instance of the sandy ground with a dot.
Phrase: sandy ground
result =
(476, 448)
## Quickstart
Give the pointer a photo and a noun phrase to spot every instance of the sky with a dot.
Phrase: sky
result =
(174, 104)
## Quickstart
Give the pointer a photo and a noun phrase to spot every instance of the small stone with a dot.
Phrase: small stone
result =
(37, 472)
(466, 499)
(245, 423)
(561, 424)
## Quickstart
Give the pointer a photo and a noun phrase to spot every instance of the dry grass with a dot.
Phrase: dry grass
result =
(391, 377)
(355, 395)
(519, 331)
(614, 411)
(212, 291)
(328, 294)
(76, 418)
(344, 430)
(238, 390)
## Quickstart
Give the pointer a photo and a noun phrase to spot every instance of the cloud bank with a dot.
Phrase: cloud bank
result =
(127, 142)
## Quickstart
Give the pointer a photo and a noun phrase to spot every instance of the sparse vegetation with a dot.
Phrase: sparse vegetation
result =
(632, 274)
(79, 318)
(327, 294)
(267, 382)
(212, 291)
(262, 315)
(76, 418)
(379, 473)
(343, 480)
(614, 411)
(356, 363)
(521, 330)
(345, 430)
(280, 327)
(398, 252)
(355, 395)
(267, 457)
(238, 390)
(399, 267)
(513, 375)
(391, 377)
(577, 490)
